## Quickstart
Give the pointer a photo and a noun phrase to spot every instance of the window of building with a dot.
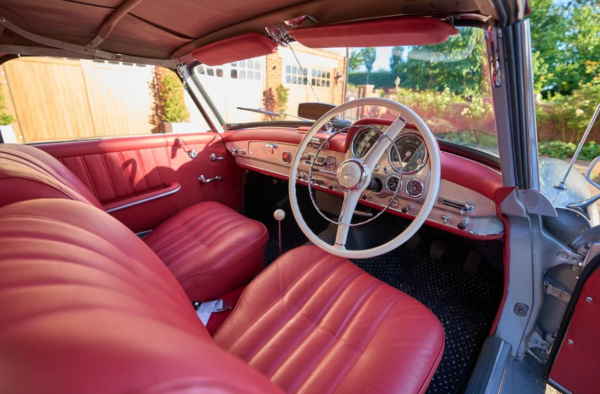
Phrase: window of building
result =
(321, 78)
(210, 71)
(295, 76)
(246, 69)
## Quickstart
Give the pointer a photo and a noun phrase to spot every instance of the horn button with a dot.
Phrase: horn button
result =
(351, 175)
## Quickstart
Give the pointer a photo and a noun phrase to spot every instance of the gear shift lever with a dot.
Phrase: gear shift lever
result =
(279, 215)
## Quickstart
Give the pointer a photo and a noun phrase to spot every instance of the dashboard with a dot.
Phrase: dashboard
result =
(399, 180)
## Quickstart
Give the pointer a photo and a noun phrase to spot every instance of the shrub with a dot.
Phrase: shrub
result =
(283, 96)
(571, 114)
(5, 118)
(381, 78)
(563, 150)
(172, 97)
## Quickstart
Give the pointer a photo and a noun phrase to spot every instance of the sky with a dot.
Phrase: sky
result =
(382, 61)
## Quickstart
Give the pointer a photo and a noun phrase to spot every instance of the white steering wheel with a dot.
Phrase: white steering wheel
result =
(354, 175)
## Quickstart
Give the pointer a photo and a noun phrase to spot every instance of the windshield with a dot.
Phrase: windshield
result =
(447, 84)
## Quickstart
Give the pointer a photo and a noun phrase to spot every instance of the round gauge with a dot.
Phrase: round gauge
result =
(364, 140)
(414, 188)
(286, 157)
(392, 183)
(413, 153)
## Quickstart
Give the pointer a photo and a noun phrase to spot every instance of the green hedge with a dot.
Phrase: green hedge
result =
(563, 150)
(378, 78)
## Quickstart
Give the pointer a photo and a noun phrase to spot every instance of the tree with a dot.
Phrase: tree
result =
(457, 65)
(395, 59)
(564, 35)
(355, 61)
(368, 57)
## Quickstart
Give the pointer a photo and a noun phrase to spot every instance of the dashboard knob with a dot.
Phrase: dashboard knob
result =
(462, 225)
(406, 209)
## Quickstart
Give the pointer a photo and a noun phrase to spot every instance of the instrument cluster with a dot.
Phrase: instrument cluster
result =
(408, 156)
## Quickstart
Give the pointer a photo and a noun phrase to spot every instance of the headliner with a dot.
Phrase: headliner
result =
(168, 29)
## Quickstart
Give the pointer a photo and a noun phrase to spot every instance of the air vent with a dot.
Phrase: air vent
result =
(461, 206)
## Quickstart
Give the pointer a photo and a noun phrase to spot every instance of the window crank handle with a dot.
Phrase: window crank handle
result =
(204, 180)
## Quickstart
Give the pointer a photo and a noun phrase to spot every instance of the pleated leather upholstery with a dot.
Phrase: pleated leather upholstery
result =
(316, 323)
(27, 173)
(210, 249)
(88, 308)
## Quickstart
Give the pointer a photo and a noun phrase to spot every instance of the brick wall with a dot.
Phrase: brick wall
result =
(274, 70)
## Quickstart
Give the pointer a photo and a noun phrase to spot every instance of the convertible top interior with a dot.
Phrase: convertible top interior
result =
(150, 28)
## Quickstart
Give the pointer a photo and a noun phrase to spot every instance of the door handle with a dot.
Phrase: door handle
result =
(204, 180)
(214, 157)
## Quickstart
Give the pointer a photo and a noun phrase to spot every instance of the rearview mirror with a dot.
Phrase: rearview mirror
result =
(313, 111)
(593, 173)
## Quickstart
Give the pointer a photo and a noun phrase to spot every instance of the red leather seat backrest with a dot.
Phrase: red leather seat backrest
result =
(30, 173)
(87, 307)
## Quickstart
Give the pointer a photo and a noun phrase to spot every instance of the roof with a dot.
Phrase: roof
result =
(169, 29)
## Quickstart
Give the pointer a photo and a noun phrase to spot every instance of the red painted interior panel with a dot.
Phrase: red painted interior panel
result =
(403, 31)
(123, 170)
(576, 365)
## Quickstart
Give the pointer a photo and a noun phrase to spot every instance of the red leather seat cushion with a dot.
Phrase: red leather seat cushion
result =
(87, 307)
(316, 323)
(210, 248)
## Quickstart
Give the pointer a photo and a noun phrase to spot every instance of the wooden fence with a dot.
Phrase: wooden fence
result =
(62, 99)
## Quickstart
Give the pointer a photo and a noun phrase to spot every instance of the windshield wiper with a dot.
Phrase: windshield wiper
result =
(269, 113)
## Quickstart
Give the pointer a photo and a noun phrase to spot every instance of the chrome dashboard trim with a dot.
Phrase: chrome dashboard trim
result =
(132, 204)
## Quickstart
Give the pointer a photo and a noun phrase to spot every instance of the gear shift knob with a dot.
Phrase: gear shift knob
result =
(279, 215)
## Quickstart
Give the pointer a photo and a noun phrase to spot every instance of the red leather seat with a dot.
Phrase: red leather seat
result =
(87, 307)
(316, 323)
(210, 248)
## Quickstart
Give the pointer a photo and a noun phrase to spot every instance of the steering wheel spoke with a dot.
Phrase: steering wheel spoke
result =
(326, 172)
(376, 152)
(348, 207)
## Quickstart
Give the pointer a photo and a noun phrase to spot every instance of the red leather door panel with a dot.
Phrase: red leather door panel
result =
(122, 171)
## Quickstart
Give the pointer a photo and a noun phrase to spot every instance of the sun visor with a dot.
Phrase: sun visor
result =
(234, 49)
(403, 31)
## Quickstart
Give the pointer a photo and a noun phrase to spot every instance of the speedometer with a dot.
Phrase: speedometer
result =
(413, 154)
(365, 138)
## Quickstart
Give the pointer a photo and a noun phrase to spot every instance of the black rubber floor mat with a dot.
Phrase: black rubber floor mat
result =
(460, 300)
